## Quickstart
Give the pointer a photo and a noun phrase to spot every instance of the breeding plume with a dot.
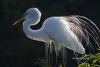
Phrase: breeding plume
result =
(69, 31)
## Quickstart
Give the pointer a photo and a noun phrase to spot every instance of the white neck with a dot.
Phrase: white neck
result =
(39, 35)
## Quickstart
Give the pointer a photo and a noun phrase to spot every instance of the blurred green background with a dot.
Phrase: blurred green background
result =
(16, 50)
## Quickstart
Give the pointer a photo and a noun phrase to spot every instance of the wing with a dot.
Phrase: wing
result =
(61, 33)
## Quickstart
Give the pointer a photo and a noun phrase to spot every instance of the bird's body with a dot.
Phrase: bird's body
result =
(55, 29)
(64, 31)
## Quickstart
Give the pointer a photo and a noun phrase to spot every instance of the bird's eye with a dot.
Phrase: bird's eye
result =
(24, 14)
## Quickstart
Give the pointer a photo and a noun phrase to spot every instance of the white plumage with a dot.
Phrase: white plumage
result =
(59, 31)
(68, 31)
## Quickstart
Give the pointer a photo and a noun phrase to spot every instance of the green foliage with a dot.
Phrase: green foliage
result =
(84, 65)
(91, 61)
(42, 63)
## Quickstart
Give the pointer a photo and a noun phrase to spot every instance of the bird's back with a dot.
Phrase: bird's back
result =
(58, 30)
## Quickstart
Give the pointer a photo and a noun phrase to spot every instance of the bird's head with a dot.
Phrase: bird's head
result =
(31, 13)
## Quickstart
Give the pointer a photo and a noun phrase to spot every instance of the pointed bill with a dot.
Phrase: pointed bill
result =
(18, 21)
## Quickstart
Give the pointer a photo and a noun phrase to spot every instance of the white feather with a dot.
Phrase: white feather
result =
(68, 31)
(59, 31)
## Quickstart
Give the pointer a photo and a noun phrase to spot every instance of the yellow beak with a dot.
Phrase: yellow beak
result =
(18, 20)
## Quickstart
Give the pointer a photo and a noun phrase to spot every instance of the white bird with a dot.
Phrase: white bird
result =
(68, 31)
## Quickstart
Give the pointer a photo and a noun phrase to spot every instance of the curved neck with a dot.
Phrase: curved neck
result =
(33, 34)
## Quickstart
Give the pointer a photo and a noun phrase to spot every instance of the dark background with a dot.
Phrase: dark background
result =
(16, 50)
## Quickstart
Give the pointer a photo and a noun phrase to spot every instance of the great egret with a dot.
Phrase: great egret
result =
(68, 31)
